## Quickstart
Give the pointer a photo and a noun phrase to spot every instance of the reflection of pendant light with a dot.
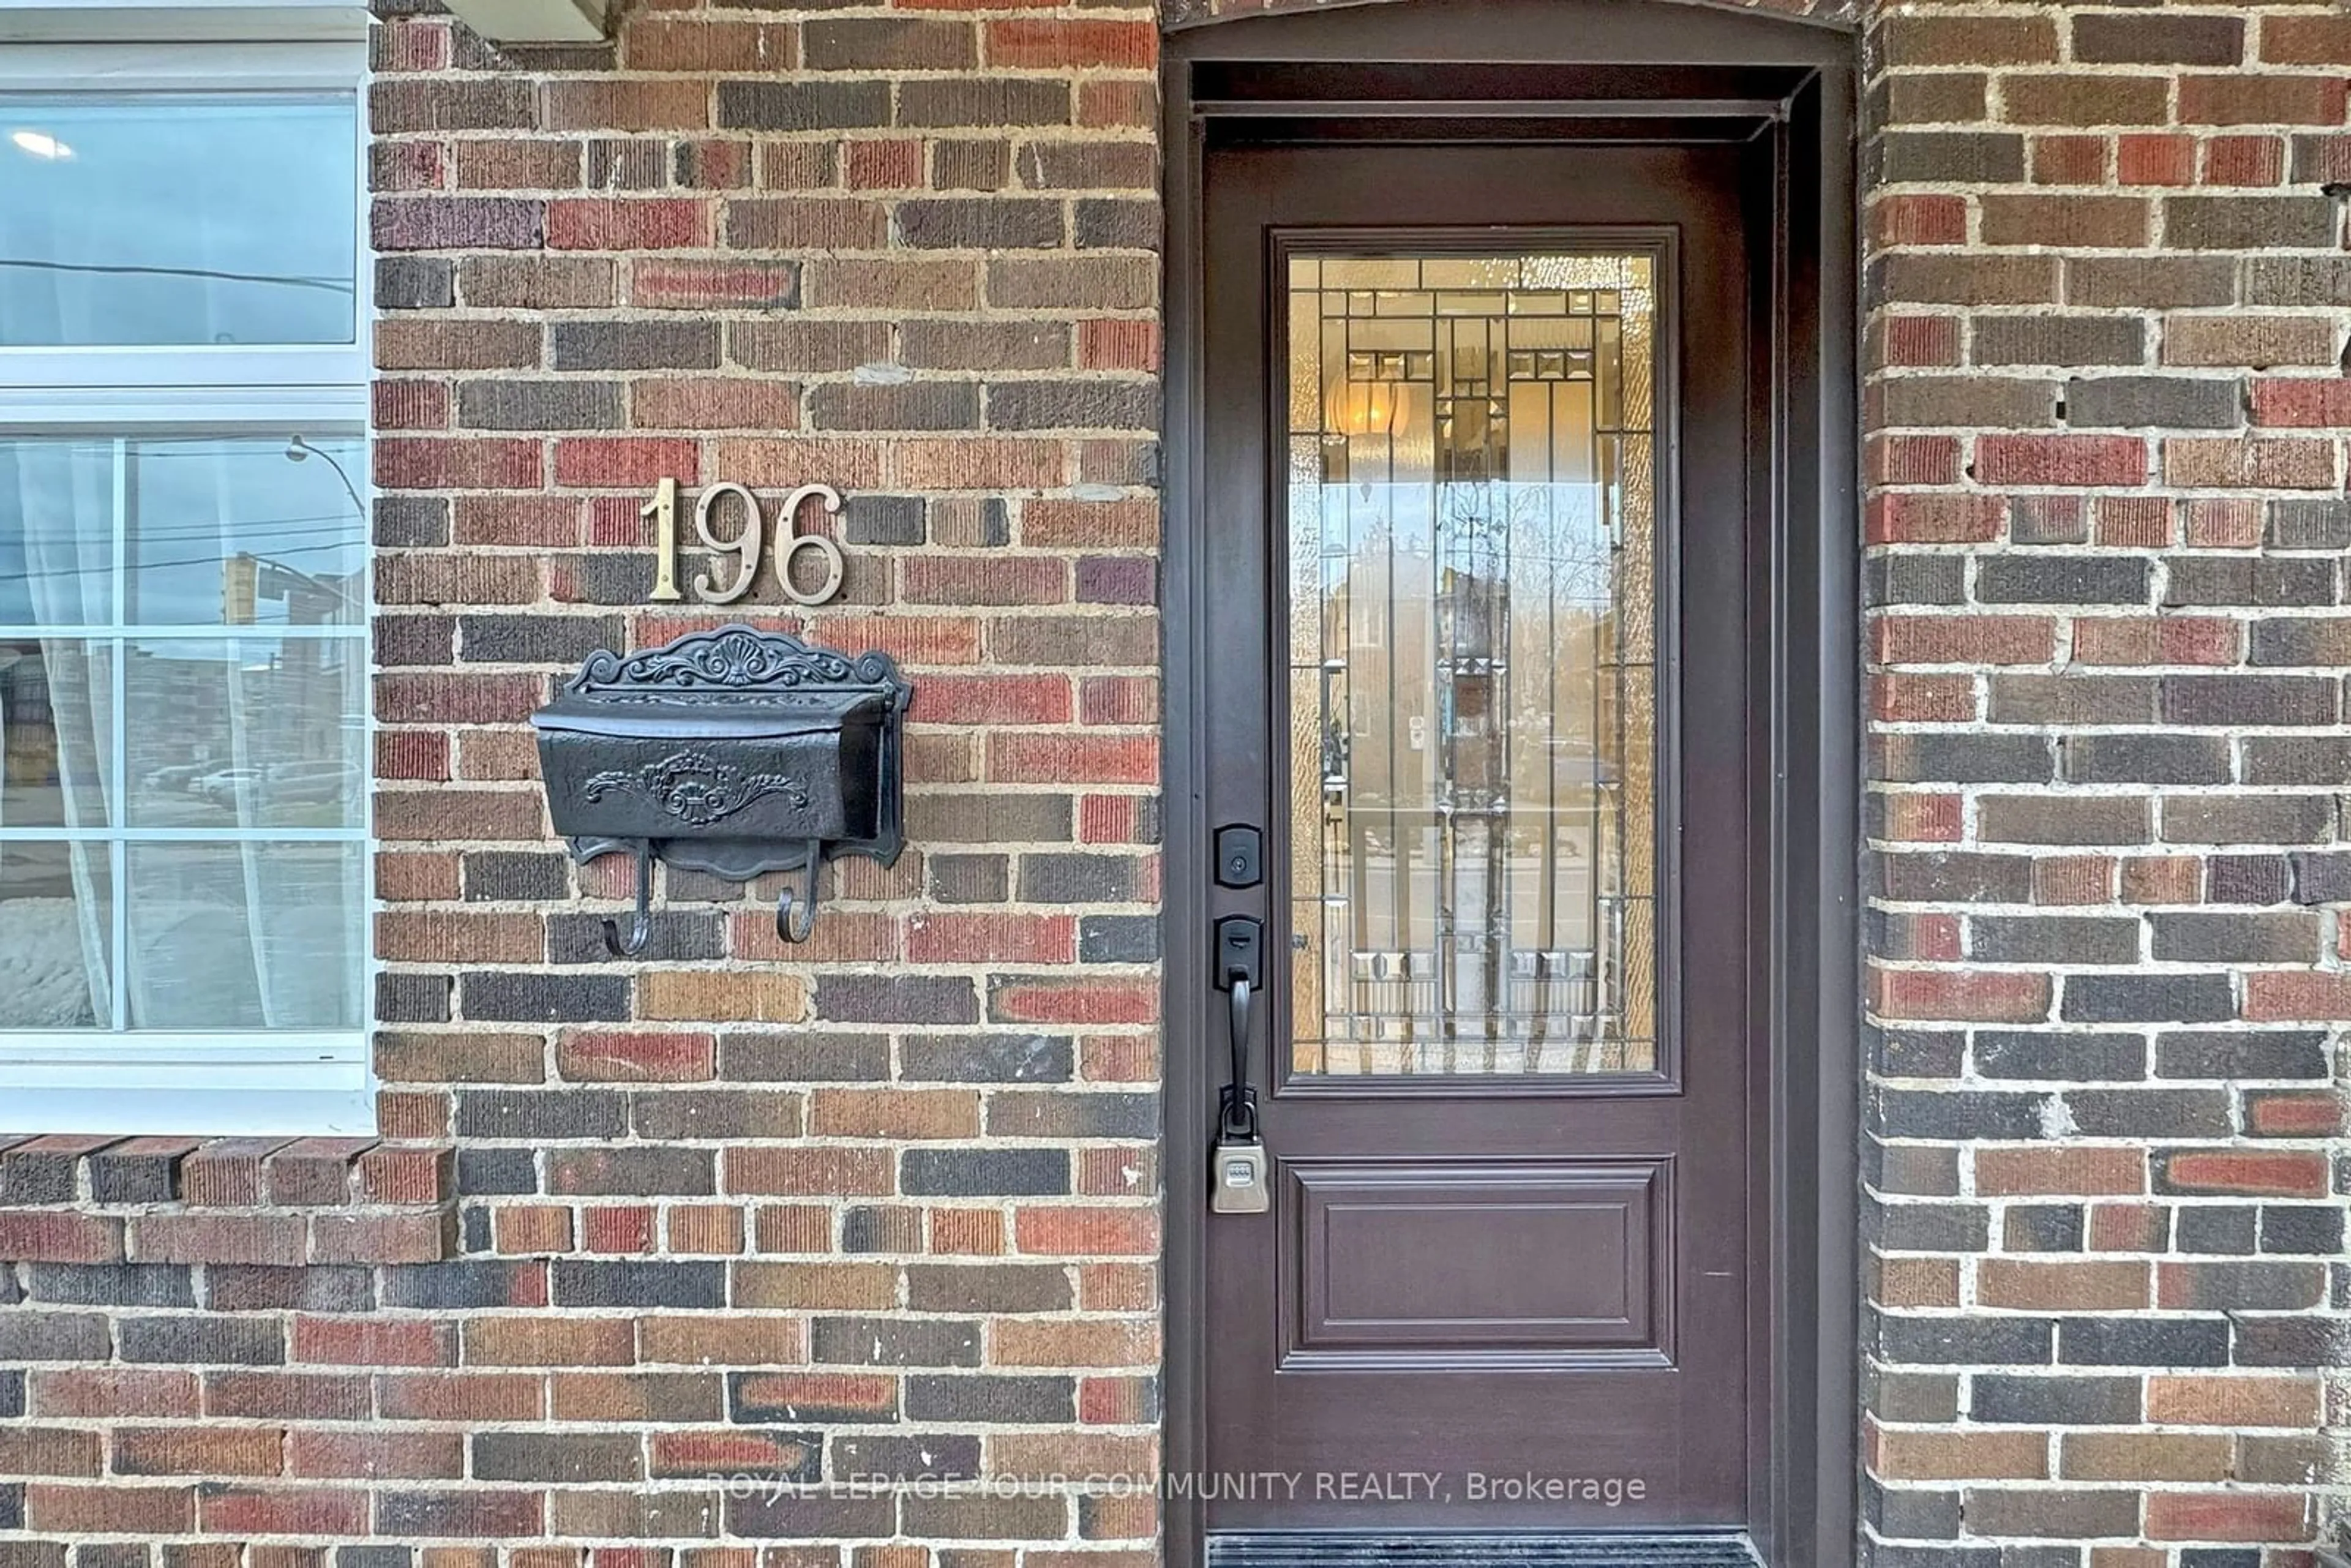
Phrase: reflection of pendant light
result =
(1366, 408)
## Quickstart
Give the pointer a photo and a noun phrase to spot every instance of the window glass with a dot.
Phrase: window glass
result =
(245, 533)
(253, 936)
(182, 703)
(177, 219)
(56, 732)
(253, 733)
(56, 935)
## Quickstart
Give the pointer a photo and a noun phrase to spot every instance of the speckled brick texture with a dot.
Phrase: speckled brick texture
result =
(890, 1205)
(2104, 544)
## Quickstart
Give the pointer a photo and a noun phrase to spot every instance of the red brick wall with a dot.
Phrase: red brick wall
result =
(891, 1205)
(885, 1204)
(890, 1201)
(2105, 533)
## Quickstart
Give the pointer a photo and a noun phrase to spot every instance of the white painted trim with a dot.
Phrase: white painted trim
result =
(196, 1084)
(219, 1105)
(27, 1056)
(178, 21)
(257, 632)
(199, 65)
(198, 368)
(137, 835)
(142, 410)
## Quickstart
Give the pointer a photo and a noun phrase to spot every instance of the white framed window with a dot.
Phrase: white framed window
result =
(184, 730)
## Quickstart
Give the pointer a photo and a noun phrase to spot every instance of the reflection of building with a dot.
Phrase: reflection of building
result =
(28, 725)
(287, 697)
(1470, 775)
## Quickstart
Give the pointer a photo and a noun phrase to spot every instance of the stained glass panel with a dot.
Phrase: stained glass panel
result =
(1473, 710)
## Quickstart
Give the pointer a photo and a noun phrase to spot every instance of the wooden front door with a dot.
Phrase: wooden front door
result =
(1475, 668)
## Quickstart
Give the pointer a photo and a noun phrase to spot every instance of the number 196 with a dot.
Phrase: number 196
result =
(718, 585)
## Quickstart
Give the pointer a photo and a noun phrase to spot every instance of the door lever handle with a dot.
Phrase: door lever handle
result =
(1240, 1022)
(1239, 969)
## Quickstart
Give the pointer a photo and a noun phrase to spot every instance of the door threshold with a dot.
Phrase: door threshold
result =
(1587, 1549)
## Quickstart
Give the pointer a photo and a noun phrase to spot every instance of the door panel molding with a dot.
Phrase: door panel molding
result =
(1803, 1502)
(1364, 1239)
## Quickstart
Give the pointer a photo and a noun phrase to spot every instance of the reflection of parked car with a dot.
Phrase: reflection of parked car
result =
(164, 780)
(222, 789)
(312, 781)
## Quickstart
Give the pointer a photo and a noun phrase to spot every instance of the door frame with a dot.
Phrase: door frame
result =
(1804, 1357)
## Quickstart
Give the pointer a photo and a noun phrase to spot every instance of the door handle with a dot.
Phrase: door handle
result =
(1239, 969)
(1239, 1017)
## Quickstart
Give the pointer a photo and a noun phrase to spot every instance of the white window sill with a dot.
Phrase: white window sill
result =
(196, 1086)
(198, 1113)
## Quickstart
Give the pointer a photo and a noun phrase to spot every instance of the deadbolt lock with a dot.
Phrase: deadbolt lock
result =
(1239, 856)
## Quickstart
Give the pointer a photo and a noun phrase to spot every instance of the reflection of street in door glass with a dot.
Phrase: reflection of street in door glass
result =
(1472, 610)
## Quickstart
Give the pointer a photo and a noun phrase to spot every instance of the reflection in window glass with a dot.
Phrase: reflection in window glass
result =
(177, 219)
(57, 923)
(1472, 621)
(253, 733)
(182, 712)
(245, 533)
(256, 935)
(56, 732)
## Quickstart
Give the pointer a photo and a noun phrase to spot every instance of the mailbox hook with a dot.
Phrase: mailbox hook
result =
(796, 917)
(641, 929)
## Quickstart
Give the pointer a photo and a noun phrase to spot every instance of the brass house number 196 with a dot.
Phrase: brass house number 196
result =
(716, 587)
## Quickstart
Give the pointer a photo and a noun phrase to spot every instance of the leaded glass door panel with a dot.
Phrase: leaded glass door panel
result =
(1473, 617)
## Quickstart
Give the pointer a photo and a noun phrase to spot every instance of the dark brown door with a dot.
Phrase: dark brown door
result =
(1477, 641)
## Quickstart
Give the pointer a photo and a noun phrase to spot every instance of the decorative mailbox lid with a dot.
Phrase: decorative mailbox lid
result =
(734, 681)
(742, 716)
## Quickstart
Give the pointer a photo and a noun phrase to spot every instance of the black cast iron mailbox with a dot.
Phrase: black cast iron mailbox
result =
(736, 752)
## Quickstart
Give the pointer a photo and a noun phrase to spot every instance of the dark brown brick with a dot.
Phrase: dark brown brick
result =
(990, 101)
(2083, 98)
(2154, 37)
(888, 44)
(802, 105)
(2248, 223)
(972, 224)
(2150, 282)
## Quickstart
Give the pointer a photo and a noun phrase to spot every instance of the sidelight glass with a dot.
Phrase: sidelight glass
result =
(1472, 625)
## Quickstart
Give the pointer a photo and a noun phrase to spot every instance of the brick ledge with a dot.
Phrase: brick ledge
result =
(86, 1198)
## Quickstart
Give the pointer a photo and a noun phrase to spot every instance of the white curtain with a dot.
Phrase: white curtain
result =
(285, 703)
(64, 496)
